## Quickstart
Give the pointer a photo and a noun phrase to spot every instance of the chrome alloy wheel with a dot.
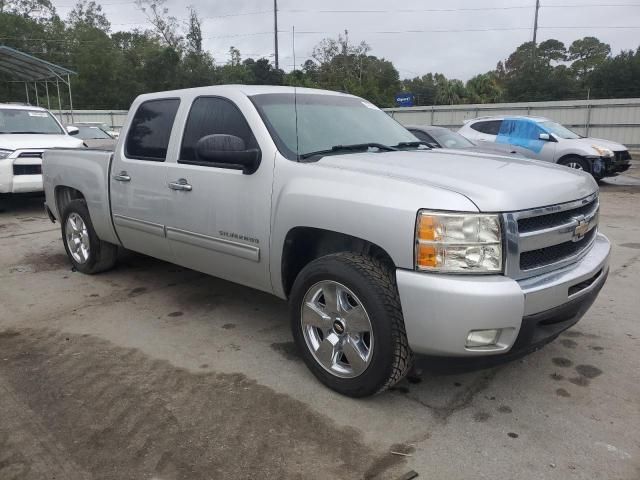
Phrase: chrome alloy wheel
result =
(337, 329)
(575, 165)
(77, 238)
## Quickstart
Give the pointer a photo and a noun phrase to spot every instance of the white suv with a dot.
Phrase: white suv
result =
(544, 139)
(25, 132)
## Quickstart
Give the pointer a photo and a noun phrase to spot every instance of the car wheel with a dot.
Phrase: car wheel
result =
(347, 321)
(576, 163)
(87, 252)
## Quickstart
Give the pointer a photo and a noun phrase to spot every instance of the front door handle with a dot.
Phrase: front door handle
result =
(181, 184)
(122, 177)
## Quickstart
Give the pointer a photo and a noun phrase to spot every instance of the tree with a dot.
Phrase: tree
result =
(88, 14)
(165, 25)
(449, 92)
(194, 32)
(484, 88)
(617, 77)
(423, 89)
(587, 54)
(38, 10)
(551, 51)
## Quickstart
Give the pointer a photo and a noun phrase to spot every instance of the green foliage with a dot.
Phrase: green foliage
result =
(114, 67)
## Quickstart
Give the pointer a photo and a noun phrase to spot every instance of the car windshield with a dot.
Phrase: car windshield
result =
(449, 139)
(559, 130)
(326, 121)
(91, 133)
(16, 120)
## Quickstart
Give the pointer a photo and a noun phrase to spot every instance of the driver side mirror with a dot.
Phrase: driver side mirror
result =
(546, 137)
(71, 130)
(227, 151)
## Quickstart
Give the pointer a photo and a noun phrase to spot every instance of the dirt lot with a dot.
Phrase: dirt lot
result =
(153, 371)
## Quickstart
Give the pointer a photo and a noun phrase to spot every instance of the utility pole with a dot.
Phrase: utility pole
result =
(275, 30)
(535, 31)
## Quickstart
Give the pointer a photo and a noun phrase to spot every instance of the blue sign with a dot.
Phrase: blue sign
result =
(404, 99)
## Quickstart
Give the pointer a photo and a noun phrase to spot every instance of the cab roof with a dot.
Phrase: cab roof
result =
(248, 90)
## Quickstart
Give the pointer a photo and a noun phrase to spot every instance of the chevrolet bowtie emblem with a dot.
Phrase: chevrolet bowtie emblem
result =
(581, 229)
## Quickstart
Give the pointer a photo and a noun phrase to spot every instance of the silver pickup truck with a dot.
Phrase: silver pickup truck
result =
(385, 249)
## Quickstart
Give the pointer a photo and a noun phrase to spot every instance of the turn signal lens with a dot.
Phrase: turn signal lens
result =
(458, 242)
(427, 256)
(426, 228)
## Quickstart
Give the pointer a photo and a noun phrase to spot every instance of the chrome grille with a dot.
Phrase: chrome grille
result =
(543, 239)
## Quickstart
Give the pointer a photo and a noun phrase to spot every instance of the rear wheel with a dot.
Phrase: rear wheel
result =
(87, 252)
(347, 322)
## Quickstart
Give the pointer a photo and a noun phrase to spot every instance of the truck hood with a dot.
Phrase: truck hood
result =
(586, 144)
(37, 141)
(493, 183)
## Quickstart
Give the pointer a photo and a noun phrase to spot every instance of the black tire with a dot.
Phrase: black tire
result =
(102, 255)
(374, 285)
(575, 160)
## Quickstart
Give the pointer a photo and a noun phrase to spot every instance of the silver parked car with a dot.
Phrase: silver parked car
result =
(441, 137)
(544, 139)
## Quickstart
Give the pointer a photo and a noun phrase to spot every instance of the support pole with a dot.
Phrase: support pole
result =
(26, 89)
(59, 101)
(535, 32)
(35, 84)
(46, 87)
(70, 99)
(275, 31)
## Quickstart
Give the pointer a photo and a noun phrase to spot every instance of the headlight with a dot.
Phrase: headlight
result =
(5, 153)
(458, 242)
(603, 151)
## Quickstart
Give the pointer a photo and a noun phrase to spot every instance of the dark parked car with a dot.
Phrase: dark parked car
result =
(440, 137)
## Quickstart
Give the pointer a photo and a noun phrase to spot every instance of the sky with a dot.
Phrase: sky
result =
(459, 38)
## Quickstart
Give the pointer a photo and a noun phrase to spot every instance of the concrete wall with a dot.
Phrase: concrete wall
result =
(617, 120)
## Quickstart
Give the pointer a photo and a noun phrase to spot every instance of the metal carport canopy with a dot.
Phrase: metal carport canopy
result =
(29, 69)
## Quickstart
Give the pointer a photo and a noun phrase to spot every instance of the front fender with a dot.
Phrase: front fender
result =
(379, 209)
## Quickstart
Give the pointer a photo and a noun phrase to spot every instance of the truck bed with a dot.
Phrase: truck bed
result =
(87, 171)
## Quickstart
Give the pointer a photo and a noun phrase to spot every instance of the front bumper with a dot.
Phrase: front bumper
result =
(10, 183)
(440, 310)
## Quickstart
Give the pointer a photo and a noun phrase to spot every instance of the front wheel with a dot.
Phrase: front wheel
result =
(576, 163)
(347, 321)
(87, 252)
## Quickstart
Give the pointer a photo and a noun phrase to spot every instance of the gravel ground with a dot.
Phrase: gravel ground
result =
(154, 371)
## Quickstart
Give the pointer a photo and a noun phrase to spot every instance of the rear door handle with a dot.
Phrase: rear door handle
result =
(181, 184)
(122, 177)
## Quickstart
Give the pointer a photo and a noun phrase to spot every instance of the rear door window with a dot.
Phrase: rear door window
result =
(150, 130)
(490, 127)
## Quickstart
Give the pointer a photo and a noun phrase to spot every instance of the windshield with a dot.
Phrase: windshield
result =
(449, 139)
(90, 133)
(325, 121)
(13, 120)
(559, 130)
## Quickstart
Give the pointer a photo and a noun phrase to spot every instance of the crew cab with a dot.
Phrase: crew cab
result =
(544, 139)
(25, 132)
(385, 249)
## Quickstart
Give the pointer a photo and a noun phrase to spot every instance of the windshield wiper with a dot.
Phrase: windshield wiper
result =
(415, 144)
(349, 148)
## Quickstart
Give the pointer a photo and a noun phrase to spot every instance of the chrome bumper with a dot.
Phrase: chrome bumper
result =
(440, 310)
